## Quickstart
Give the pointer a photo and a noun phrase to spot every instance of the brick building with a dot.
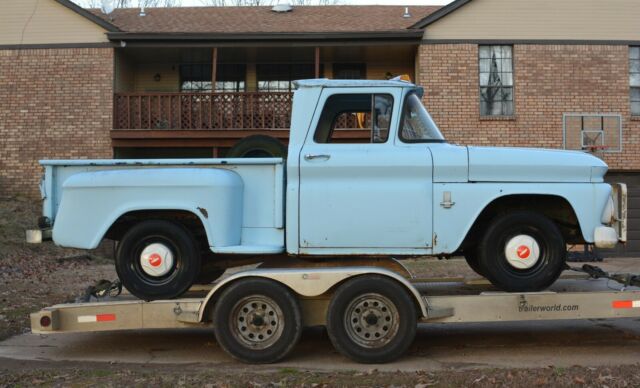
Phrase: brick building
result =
(191, 82)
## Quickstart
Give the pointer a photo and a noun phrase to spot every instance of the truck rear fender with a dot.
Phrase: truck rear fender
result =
(93, 201)
(311, 283)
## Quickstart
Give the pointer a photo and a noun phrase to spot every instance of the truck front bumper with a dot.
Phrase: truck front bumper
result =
(615, 217)
(605, 237)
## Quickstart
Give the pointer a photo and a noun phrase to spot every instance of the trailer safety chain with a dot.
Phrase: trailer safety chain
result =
(594, 272)
(102, 289)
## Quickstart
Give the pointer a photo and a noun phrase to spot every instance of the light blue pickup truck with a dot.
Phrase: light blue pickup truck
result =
(402, 191)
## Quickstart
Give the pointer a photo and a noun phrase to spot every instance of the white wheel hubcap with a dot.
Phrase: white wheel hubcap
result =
(156, 260)
(522, 251)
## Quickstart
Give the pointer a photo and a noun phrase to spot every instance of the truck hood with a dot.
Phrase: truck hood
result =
(504, 164)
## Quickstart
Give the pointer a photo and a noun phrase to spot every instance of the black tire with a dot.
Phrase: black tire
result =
(361, 339)
(229, 315)
(471, 256)
(181, 274)
(543, 272)
(258, 146)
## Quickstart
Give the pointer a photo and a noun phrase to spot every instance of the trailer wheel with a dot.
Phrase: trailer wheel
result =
(157, 260)
(371, 319)
(257, 320)
(522, 251)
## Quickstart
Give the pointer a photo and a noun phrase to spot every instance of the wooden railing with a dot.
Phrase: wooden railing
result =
(202, 110)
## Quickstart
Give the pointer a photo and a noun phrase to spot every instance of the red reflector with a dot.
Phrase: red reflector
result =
(45, 321)
(105, 317)
(622, 304)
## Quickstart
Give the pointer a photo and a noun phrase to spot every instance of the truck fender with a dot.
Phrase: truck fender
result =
(587, 201)
(93, 201)
(312, 282)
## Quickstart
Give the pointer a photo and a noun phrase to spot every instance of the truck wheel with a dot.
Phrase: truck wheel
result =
(371, 319)
(258, 146)
(257, 321)
(471, 256)
(522, 252)
(157, 260)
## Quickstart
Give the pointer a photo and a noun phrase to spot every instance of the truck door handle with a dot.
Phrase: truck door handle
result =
(314, 156)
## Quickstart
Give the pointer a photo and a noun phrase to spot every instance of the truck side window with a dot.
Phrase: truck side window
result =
(369, 113)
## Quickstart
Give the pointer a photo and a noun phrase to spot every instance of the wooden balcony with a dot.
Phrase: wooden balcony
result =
(216, 120)
(202, 111)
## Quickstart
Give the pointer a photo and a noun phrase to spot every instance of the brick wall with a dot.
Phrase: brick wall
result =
(54, 103)
(549, 80)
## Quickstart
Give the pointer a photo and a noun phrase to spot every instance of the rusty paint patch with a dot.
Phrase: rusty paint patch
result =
(204, 212)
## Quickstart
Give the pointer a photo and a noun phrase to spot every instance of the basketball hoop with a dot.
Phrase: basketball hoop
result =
(595, 148)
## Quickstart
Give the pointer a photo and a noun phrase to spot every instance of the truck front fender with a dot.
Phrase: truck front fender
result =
(453, 221)
(93, 201)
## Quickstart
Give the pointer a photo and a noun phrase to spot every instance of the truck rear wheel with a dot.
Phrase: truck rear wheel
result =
(522, 251)
(257, 320)
(157, 260)
(371, 319)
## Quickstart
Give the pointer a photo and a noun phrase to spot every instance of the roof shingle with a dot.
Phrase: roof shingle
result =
(340, 18)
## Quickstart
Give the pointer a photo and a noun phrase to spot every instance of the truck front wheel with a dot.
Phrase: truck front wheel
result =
(522, 252)
(157, 260)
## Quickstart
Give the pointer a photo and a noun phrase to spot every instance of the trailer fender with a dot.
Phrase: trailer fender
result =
(311, 282)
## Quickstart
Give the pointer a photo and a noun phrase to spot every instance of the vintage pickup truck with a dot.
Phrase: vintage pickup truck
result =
(402, 191)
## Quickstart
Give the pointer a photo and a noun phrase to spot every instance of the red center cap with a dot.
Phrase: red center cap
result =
(523, 251)
(155, 260)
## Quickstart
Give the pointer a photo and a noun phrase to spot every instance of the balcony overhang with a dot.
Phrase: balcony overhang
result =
(139, 39)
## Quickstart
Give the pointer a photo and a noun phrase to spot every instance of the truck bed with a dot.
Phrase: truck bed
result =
(262, 224)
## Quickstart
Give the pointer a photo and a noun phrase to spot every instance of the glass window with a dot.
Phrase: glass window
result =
(280, 77)
(355, 111)
(231, 78)
(195, 78)
(417, 124)
(496, 80)
(634, 79)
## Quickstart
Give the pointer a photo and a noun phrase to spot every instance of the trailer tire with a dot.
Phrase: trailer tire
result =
(157, 259)
(240, 326)
(258, 146)
(372, 319)
(522, 252)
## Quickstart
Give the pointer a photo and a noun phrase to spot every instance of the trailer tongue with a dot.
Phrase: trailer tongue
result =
(370, 312)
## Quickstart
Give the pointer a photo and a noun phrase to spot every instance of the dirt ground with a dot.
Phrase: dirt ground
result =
(34, 276)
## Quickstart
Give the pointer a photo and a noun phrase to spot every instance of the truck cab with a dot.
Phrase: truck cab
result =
(400, 191)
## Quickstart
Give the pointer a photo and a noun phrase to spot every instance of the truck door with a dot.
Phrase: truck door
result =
(375, 193)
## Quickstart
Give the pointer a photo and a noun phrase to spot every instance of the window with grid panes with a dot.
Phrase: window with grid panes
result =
(634, 79)
(496, 80)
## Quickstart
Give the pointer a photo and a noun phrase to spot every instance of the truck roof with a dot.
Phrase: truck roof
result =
(351, 83)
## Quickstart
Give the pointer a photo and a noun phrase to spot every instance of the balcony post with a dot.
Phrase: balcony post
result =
(214, 68)
(317, 62)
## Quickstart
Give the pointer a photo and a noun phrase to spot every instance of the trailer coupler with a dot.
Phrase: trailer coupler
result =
(595, 272)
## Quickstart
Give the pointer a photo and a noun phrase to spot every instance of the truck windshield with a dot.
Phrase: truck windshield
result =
(417, 124)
